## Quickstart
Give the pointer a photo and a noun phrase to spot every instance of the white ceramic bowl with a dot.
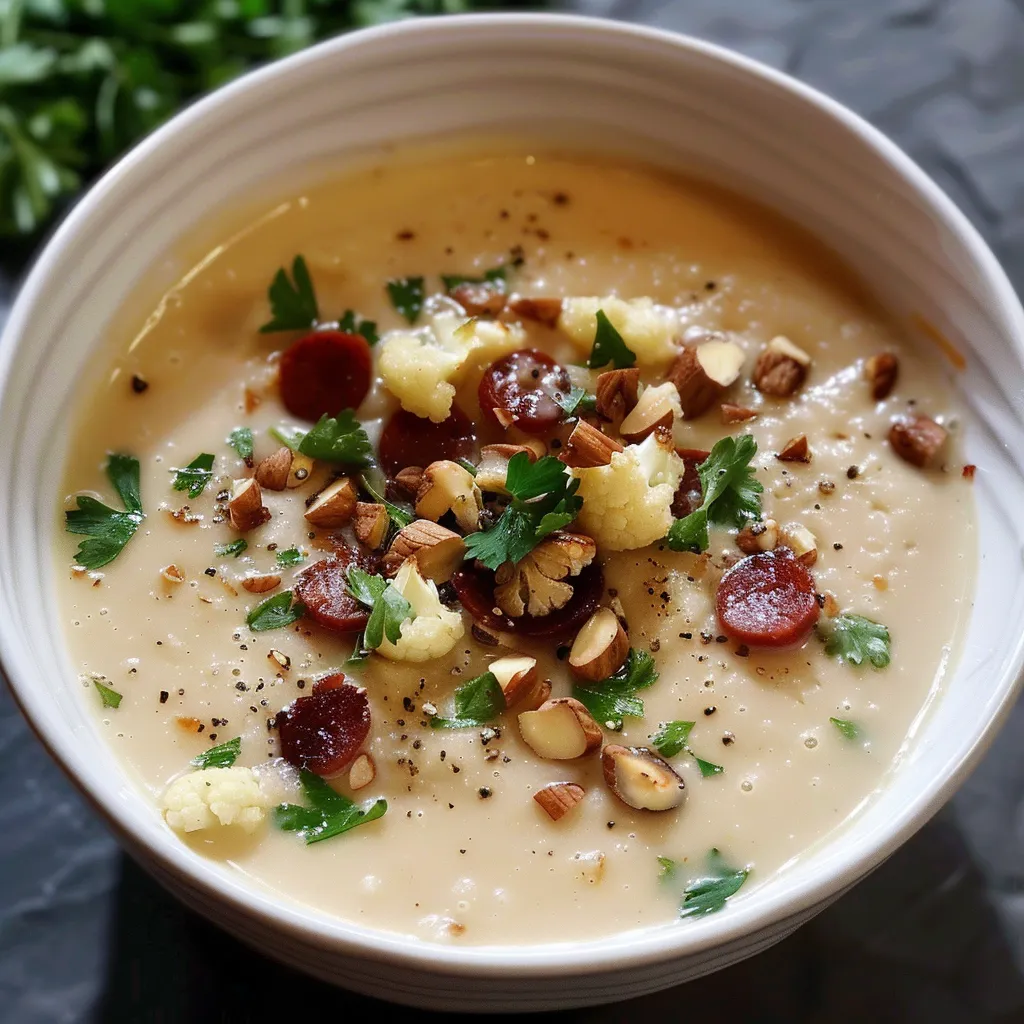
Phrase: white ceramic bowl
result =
(663, 98)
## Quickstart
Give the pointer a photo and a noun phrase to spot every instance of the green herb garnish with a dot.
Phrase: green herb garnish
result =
(290, 440)
(352, 323)
(616, 696)
(855, 639)
(388, 608)
(848, 730)
(337, 439)
(293, 304)
(543, 500)
(609, 346)
(108, 529)
(708, 894)
(375, 484)
(406, 294)
(329, 813)
(289, 557)
(274, 613)
(669, 869)
(576, 401)
(111, 698)
(732, 495)
(467, 466)
(195, 476)
(232, 550)
(222, 756)
(476, 703)
(241, 440)
(672, 737)
(495, 276)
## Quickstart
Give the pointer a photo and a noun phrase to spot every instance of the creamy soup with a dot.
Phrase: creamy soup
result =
(796, 642)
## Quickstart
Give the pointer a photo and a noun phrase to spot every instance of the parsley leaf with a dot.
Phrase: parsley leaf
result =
(496, 276)
(576, 401)
(291, 556)
(389, 609)
(340, 439)
(543, 499)
(476, 703)
(274, 613)
(669, 869)
(232, 550)
(849, 730)
(352, 323)
(609, 346)
(611, 699)
(329, 813)
(195, 476)
(241, 440)
(406, 294)
(359, 656)
(293, 304)
(108, 529)
(290, 440)
(111, 698)
(708, 895)
(731, 493)
(672, 737)
(375, 485)
(855, 639)
(221, 756)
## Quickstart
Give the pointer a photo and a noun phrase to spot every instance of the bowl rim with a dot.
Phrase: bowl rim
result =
(645, 946)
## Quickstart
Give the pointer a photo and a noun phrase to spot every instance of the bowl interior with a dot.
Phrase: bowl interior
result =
(654, 97)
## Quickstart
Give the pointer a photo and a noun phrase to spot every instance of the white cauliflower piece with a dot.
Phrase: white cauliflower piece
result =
(627, 504)
(211, 797)
(649, 330)
(433, 632)
(422, 368)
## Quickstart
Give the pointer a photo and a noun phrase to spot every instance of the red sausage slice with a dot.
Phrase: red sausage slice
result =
(323, 589)
(325, 372)
(767, 600)
(689, 494)
(324, 731)
(408, 440)
(525, 386)
(475, 589)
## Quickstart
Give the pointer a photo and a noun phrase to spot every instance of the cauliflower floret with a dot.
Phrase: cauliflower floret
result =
(627, 504)
(649, 331)
(422, 368)
(215, 796)
(433, 632)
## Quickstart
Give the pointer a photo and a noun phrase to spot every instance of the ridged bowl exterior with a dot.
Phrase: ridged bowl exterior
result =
(658, 97)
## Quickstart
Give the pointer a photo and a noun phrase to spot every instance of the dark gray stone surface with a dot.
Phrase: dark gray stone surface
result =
(936, 935)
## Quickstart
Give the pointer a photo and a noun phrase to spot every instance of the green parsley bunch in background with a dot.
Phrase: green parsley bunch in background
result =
(82, 80)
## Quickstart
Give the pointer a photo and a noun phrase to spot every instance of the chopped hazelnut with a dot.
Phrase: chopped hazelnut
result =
(737, 413)
(437, 551)
(409, 479)
(588, 447)
(703, 372)
(480, 299)
(262, 583)
(542, 310)
(781, 368)
(559, 798)
(493, 467)
(641, 779)
(246, 509)
(448, 487)
(600, 647)
(760, 536)
(881, 372)
(370, 523)
(272, 472)
(616, 393)
(795, 450)
(917, 440)
(656, 409)
(560, 730)
(334, 505)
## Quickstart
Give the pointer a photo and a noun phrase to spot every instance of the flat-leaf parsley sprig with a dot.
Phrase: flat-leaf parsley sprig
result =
(612, 698)
(477, 702)
(108, 529)
(856, 640)
(543, 500)
(329, 813)
(708, 894)
(388, 608)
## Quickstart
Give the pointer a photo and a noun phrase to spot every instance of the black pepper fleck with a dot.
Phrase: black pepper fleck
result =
(853, 472)
(164, 696)
(139, 384)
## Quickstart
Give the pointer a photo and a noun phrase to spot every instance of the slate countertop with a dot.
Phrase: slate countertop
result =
(936, 934)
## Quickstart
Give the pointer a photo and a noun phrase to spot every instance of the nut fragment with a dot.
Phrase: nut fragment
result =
(261, 584)
(588, 447)
(703, 372)
(516, 675)
(280, 659)
(480, 299)
(795, 450)
(535, 584)
(656, 409)
(543, 311)
(559, 798)
(172, 574)
(272, 472)
(362, 772)
(436, 550)
(737, 413)
(917, 440)
(760, 536)
(541, 695)
(641, 779)
(560, 729)
(493, 467)
(370, 523)
(881, 372)
(448, 487)
(301, 470)
(781, 368)
(246, 509)
(334, 505)
(616, 392)
(600, 646)
(801, 542)
(409, 479)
